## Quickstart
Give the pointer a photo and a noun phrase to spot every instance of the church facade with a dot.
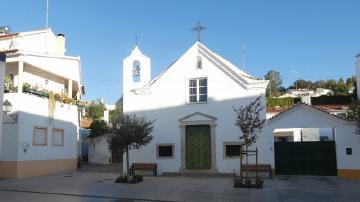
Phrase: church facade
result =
(192, 104)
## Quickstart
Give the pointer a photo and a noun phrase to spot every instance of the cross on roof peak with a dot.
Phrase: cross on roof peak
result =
(198, 28)
(136, 38)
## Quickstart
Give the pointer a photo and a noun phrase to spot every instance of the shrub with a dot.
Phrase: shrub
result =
(259, 182)
(133, 179)
(238, 183)
(248, 183)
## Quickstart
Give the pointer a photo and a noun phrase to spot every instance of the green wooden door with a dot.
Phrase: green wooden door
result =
(198, 147)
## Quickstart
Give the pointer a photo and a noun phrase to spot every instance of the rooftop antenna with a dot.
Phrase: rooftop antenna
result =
(47, 15)
(243, 56)
(198, 28)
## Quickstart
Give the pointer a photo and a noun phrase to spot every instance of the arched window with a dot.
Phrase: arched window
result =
(136, 71)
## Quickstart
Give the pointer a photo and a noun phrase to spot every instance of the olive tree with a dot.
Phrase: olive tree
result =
(130, 132)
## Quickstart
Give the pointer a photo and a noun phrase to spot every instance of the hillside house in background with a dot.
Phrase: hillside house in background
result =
(40, 134)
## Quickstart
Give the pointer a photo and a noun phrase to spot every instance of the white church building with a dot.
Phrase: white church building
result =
(192, 104)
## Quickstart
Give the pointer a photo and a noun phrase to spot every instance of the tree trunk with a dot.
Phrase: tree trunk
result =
(246, 148)
(127, 163)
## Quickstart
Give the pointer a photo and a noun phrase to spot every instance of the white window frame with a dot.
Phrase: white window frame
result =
(197, 87)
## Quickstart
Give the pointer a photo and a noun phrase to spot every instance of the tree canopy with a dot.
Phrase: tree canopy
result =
(275, 81)
(115, 115)
(97, 128)
(95, 110)
(249, 120)
(130, 132)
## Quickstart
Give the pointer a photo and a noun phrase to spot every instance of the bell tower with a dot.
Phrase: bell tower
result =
(136, 70)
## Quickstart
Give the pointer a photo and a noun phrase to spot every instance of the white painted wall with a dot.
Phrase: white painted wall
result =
(21, 133)
(168, 102)
(98, 150)
(305, 118)
(41, 41)
(310, 134)
(40, 49)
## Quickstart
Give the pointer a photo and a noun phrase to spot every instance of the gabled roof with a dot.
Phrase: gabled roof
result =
(239, 76)
(300, 106)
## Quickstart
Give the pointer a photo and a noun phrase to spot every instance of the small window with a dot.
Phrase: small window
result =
(165, 151)
(39, 136)
(198, 62)
(231, 150)
(198, 90)
(58, 137)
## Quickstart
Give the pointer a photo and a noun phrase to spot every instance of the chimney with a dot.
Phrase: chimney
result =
(305, 98)
(60, 44)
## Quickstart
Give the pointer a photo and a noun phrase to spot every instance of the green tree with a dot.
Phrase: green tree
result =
(275, 82)
(302, 84)
(130, 132)
(98, 128)
(351, 83)
(248, 120)
(115, 115)
(340, 88)
(319, 84)
(95, 110)
(331, 84)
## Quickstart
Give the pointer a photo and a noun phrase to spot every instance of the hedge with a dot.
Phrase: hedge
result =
(281, 102)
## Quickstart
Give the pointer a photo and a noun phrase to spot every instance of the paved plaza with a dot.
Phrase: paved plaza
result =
(99, 186)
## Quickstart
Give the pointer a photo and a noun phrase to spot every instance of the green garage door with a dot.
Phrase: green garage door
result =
(198, 147)
(305, 158)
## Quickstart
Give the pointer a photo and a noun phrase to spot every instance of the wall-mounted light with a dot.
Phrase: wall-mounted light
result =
(8, 118)
(7, 106)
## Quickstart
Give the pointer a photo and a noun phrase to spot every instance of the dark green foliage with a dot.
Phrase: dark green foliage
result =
(125, 179)
(281, 102)
(259, 182)
(116, 115)
(336, 99)
(249, 121)
(301, 84)
(339, 87)
(238, 183)
(95, 110)
(275, 82)
(97, 128)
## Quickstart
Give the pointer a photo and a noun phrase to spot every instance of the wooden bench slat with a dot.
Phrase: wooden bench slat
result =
(257, 168)
(144, 166)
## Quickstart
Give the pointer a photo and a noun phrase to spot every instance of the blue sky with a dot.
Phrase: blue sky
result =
(309, 39)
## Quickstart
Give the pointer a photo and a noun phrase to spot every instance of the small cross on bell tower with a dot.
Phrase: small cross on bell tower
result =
(198, 28)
